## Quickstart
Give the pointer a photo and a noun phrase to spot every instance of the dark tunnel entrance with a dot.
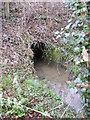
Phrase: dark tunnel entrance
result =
(38, 49)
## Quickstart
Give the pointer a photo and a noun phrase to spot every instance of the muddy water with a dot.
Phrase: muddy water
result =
(56, 76)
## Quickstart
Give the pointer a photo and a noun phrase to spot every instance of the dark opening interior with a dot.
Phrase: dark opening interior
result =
(38, 49)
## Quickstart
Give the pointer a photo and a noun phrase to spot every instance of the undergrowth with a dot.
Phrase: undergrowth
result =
(23, 96)
(30, 97)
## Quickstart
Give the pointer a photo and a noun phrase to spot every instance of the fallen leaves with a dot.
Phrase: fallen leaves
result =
(85, 56)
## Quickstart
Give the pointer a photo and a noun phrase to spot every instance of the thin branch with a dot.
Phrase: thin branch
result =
(65, 110)
(82, 107)
(56, 107)
(44, 114)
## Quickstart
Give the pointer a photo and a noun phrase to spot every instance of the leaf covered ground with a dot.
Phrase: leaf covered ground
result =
(20, 94)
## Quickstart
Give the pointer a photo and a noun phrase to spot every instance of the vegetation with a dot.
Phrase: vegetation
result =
(22, 94)
(30, 98)
(73, 37)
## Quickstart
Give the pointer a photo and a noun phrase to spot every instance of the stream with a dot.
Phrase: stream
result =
(55, 77)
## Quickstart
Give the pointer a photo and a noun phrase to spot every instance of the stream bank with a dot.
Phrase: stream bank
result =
(55, 76)
(54, 73)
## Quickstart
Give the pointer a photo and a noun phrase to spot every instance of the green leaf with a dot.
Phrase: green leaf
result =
(9, 101)
(72, 91)
(62, 29)
(56, 33)
(52, 113)
(86, 43)
(57, 20)
(58, 36)
(83, 90)
(19, 90)
(15, 79)
(86, 29)
(69, 20)
(82, 34)
(78, 80)
(77, 61)
(64, 40)
(80, 24)
(83, 9)
(78, 11)
(68, 26)
(80, 6)
(76, 49)
(21, 114)
(79, 40)
(1, 100)
(71, 42)
(74, 25)
(76, 22)
(76, 4)
(67, 35)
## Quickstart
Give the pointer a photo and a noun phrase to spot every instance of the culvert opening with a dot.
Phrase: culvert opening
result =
(54, 75)
(38, 50)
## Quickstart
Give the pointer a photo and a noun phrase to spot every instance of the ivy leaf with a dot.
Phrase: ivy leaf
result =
(80, 40)
(62, 29)
(82, 34)
(83, 9)
(83, 90)
(77, 61)
(76, 49)
(76, 4)
(72, 91)
(64, 40)
(57, 20)
(80, 24)
(86, 28)
(71, 42)
(15, 79)
(74, 25)
(23, 100)
(1, 100)
(69, 20)
(67, 35)
(80, 6)
(52, 113)
(78, 11)
(58, 36)
(19, 90)
(56, 33)
(76, 22)
(9, 101)
(68, 26)
(78, 80)
(36, 83)
(15, 101)
(76, 90)
(21, 114)
(73, 33)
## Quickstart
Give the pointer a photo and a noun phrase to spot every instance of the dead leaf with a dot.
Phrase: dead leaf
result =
(84, 55)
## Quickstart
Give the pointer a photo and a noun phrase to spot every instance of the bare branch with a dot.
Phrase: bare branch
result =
(56, 107)
(65, 110)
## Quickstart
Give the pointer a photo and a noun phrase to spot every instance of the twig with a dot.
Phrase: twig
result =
(65, 110)
(39, 112)
(56, 107)
(82, 107)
